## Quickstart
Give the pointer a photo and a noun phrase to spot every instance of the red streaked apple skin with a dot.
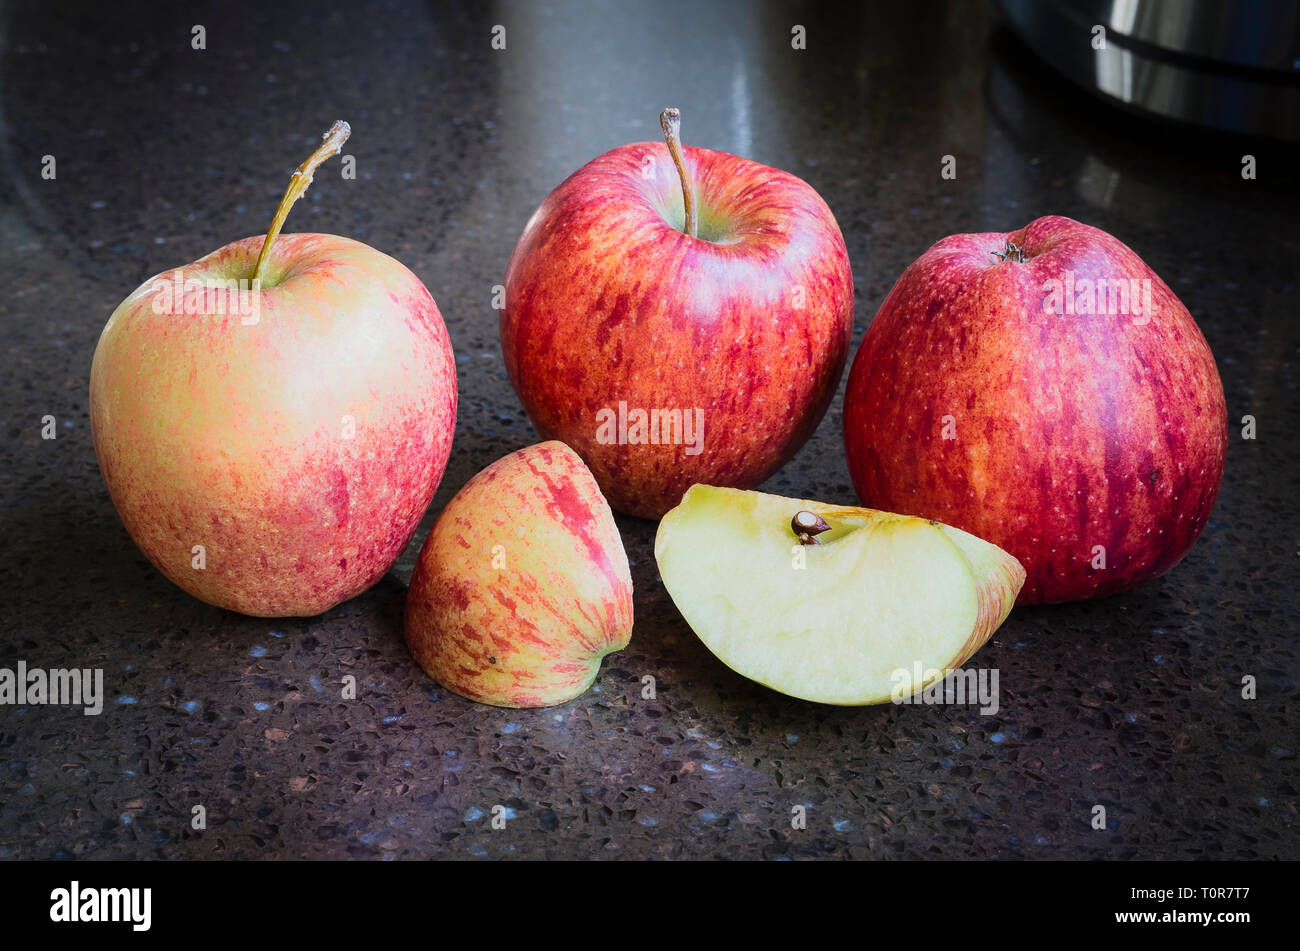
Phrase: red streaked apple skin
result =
(606, 301)
(1002, 578)
(1076, 435)
(233, 437)
(522, 585)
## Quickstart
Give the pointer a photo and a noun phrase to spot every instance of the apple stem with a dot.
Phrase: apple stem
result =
(1013, 251)
(670, 120)
(333, 141)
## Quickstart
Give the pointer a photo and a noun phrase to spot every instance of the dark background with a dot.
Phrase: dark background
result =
(165, 153)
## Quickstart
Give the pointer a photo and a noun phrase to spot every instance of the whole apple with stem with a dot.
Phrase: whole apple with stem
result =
(677, 315)
(1044, 390)
(522, 585)
(272, 420)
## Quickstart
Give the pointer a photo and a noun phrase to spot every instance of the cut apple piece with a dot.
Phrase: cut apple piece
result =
(831, 618)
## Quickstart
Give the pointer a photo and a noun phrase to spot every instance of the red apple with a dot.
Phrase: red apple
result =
(1045, 391)
(522, 585)
(272, 449)
(667, 347)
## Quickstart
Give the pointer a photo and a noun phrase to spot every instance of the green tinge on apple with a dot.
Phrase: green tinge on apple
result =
(832, 622)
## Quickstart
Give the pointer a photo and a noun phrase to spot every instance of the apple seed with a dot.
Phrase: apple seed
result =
(806, 525)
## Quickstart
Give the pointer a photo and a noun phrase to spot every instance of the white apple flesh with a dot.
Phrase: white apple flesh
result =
(832, 622)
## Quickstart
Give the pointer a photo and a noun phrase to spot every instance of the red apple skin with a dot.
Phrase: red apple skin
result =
(606, 301)
(529, 629)
(230, 436)
(1071, 430)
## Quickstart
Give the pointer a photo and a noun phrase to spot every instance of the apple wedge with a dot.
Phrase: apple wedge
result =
(522, 585)
(833, 616)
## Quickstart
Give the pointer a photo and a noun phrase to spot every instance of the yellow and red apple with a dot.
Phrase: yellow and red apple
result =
(677, 316)
(272, 449)
(828, 602)
(522, 585)
(1045, 390)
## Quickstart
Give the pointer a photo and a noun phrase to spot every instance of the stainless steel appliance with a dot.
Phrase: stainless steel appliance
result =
(1230, 66)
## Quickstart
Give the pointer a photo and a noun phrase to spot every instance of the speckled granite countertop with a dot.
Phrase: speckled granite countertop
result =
(165, 153)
